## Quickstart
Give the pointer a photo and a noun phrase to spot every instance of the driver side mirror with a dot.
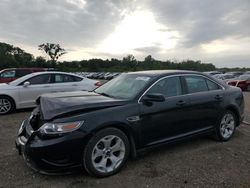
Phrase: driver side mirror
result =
(153, 97)
(26, 84)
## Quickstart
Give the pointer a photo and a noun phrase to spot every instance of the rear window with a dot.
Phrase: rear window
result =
(77, 79)
(61, 78)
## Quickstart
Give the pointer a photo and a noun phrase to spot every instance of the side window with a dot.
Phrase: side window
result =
(20, 73)
(40, 79)
(9, 74)
(168, 87)
(196, 84)
(61, 78)
(77, 79)
(58, 78)
(212, 86)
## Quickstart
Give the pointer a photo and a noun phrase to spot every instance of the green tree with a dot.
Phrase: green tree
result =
(54, 51)
(130, 61)
(11, 56)
(148, 59)
(40, 62)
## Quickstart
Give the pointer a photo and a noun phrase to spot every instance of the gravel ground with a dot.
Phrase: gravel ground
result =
(200, 162)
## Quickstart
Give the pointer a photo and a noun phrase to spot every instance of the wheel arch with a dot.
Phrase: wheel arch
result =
(125, 129)
(236, 112)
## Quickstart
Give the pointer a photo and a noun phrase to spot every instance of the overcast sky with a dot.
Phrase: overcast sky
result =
(214, 31)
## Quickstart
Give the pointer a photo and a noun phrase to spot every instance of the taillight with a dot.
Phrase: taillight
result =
(98, 84)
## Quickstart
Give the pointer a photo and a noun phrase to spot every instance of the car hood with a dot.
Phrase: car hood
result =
(5, 86)
(69, 103)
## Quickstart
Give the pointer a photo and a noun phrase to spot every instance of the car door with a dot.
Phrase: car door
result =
(205, 101)
(38, 85)
(65, 82)
(162, 121)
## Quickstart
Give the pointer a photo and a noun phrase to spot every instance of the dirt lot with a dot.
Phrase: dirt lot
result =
(202, 162)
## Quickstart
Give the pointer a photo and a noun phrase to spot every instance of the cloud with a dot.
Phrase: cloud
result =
(149, 50)
(68, 22)
(208, 30)
(201, 22)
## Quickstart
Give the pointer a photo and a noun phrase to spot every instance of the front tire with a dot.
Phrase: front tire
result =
(226, 126)
(7, 105)
(106, 152)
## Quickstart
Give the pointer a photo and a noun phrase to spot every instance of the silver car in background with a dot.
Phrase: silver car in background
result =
(23, 92)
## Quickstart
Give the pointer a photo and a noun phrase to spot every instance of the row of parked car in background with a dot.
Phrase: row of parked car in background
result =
(238, 79)
(99, 75)
(20, 87)
(8, 75)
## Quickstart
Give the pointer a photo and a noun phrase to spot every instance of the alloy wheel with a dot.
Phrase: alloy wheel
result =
(5, 106)
(108, 154)
(227, 125)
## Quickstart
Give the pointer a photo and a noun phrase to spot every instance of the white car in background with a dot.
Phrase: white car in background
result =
(23, 92)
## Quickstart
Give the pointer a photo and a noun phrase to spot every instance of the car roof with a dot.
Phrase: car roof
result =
(54, 72)
(162, 72)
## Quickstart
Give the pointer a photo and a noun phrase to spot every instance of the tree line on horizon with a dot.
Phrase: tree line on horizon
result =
(11, 56)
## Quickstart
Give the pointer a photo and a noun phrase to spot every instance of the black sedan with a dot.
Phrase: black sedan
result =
(100, 130)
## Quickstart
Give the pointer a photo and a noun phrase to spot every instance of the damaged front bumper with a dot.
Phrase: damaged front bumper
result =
(56, 155)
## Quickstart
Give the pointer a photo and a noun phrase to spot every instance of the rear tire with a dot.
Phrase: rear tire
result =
(106, 152)
(7, 105)
(226, 126)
